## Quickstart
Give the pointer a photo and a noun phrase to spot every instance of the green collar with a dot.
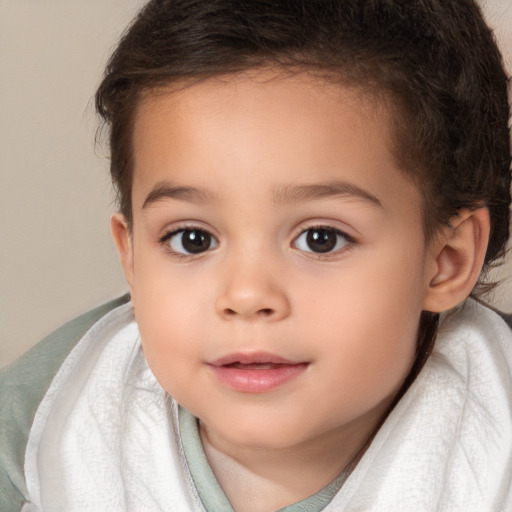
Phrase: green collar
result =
(209, 489)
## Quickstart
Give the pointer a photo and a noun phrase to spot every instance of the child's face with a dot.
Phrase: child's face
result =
(272, 228)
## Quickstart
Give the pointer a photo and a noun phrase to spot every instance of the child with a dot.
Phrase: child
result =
(304, 188)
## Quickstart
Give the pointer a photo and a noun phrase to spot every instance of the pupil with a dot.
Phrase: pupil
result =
(321, 240)
(195, 241)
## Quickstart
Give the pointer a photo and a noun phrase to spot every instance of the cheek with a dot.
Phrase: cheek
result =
(169, 312)
(171, 351)
(374, 344)
(366, 322)
(364, 359)
(166, 294)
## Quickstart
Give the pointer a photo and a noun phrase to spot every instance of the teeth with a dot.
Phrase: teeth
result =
(255, 366)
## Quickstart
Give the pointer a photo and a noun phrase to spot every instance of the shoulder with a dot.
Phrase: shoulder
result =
(480, 320)
(474, 333)
(473, 358)
(23, 385)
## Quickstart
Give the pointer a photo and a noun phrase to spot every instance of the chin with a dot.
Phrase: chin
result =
(263, 436)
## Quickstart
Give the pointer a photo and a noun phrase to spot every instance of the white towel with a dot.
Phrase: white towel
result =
(447, 446)
(106, 437)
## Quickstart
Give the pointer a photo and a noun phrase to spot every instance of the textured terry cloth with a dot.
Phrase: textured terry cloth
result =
(209, 489)
(87, 435)
(23, 384)
(103, 438)
(447, 446)
(107, 438)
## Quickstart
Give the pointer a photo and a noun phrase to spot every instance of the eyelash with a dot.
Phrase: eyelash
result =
(165, 239)
(341, 237)
(346, 239)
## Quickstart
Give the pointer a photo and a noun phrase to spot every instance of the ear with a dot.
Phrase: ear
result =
(456, 259)
(122, 236)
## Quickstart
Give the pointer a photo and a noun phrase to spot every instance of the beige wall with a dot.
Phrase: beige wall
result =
(56, 257)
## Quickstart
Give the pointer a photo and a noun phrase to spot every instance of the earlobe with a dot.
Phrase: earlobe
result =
(457, 256)
(122, 236)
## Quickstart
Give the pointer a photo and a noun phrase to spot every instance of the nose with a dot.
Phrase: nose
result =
(253, 292)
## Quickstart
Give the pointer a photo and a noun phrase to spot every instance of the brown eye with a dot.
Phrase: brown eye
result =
(191, 241)
(321, 240)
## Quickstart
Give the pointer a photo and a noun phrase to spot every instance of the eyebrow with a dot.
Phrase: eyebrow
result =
(165, 190)
(297, 193)
(286, 194)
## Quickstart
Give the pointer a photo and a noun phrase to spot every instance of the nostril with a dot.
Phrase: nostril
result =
(263, 312)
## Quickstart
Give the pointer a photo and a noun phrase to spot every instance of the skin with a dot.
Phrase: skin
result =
(351, 315)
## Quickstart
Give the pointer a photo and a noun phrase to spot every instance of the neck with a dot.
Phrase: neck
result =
(259, 479)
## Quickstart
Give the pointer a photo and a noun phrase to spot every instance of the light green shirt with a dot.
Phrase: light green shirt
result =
(24, 383)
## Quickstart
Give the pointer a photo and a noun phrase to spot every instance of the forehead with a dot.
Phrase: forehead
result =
(261, 92)
(257, 99)
(245, 128)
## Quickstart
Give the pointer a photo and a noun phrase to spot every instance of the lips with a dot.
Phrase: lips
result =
(256, 373)
(254, 366)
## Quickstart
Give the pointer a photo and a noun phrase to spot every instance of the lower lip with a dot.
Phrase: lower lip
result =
(260, 380)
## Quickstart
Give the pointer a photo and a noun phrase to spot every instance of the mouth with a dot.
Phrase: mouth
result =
(256, 366)
(256, 373)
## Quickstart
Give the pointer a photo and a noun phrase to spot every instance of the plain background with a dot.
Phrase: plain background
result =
(56, 256)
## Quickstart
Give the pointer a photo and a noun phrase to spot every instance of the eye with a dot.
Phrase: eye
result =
(190, 241)
(321, 240)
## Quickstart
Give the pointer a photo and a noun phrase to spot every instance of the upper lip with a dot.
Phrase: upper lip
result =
(253, 358)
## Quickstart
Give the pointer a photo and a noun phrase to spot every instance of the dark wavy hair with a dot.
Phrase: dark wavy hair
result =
(435, 61)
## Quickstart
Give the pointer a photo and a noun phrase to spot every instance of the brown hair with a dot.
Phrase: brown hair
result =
(436, 60)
